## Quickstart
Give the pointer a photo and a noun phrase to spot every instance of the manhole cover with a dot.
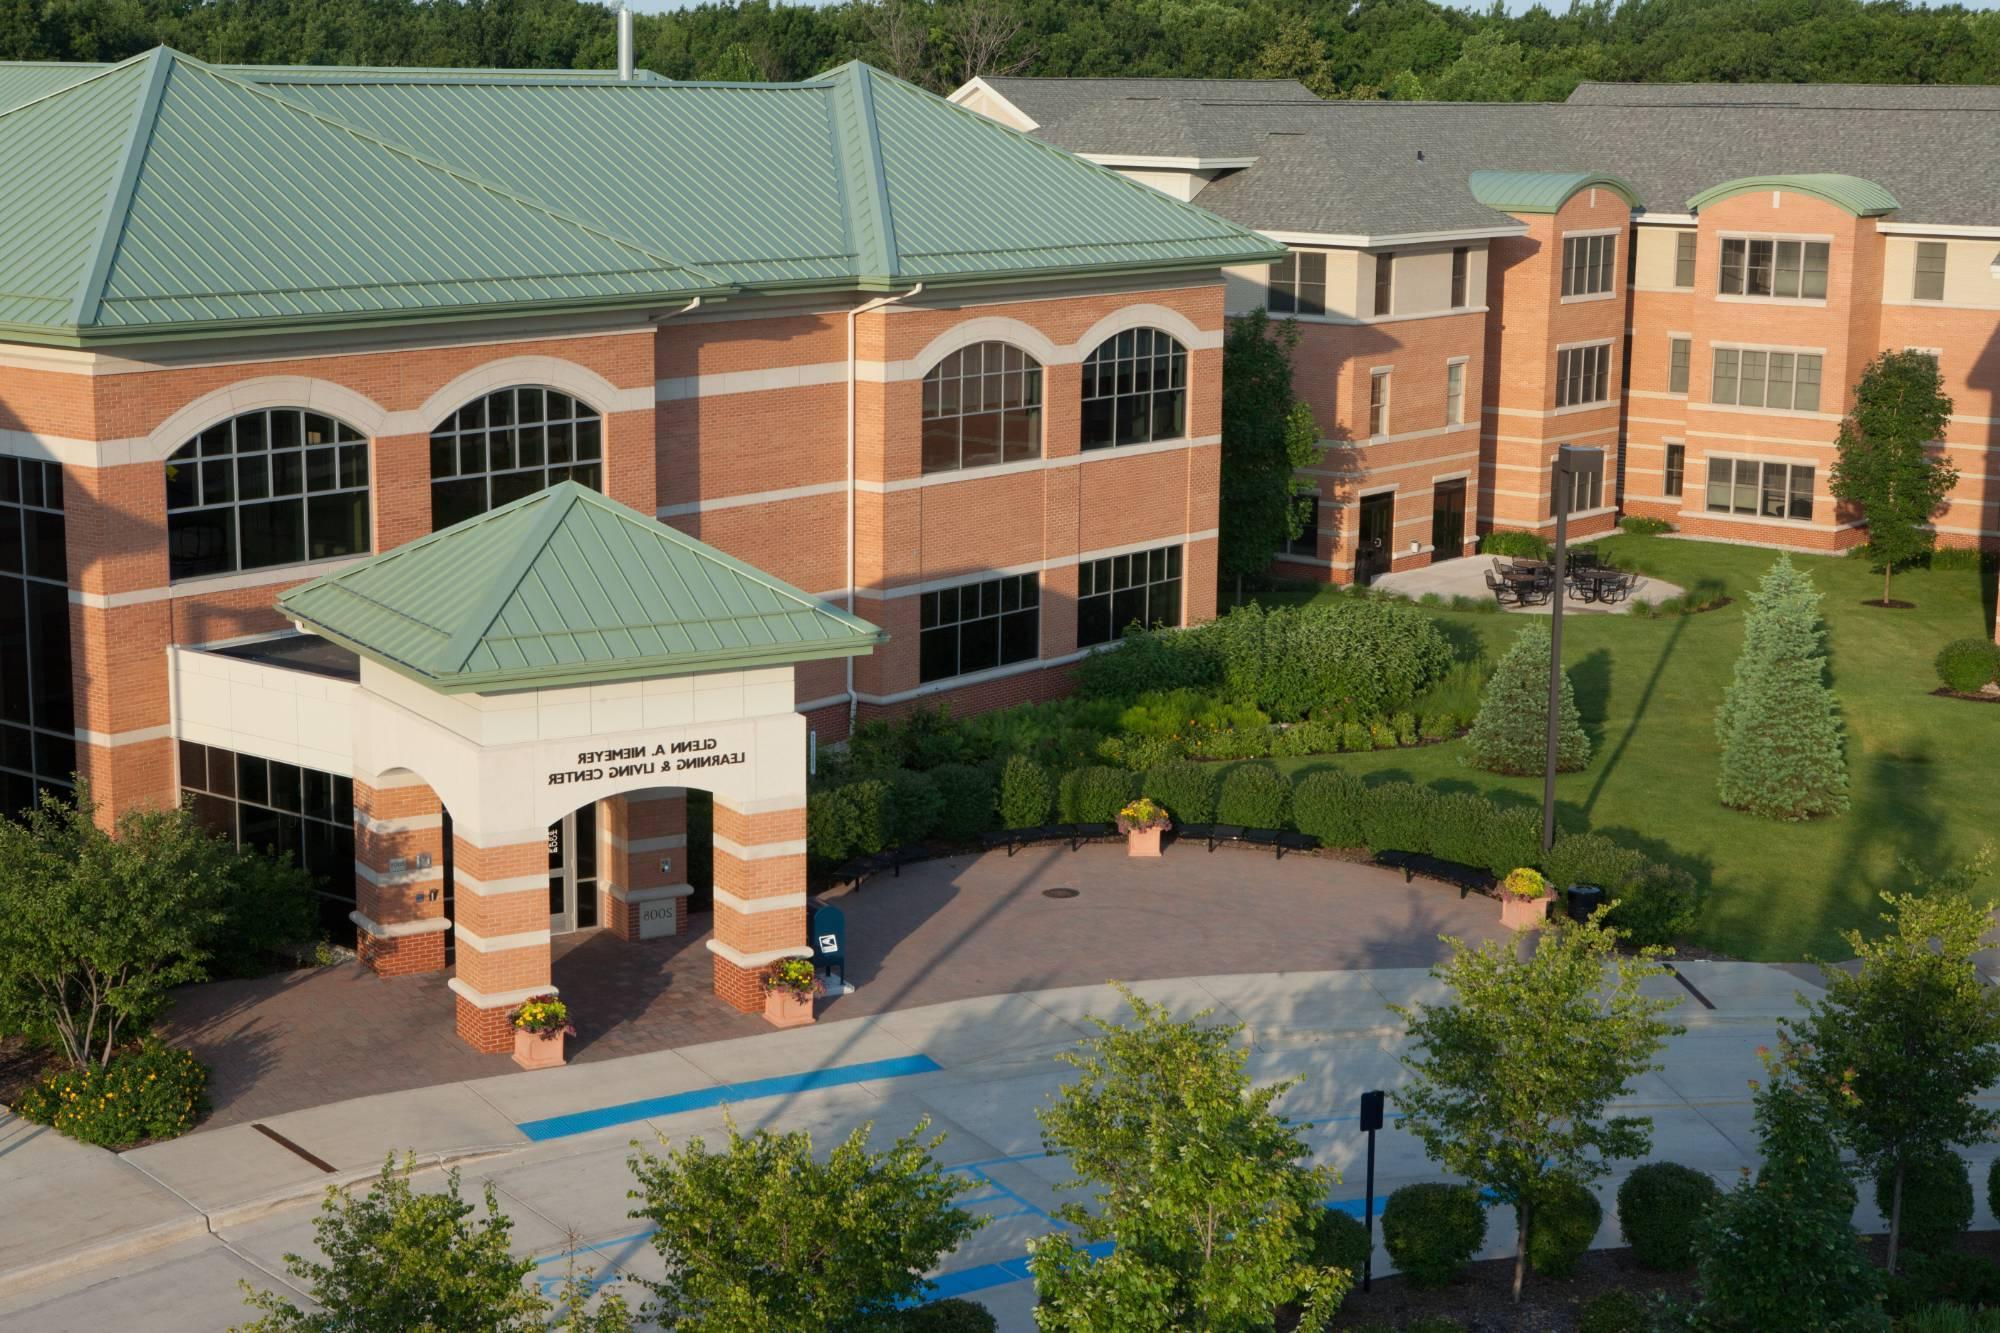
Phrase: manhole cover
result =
(1058, 893)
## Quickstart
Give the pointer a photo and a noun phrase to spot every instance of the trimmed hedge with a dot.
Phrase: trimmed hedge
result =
(1329, 806)
(1339, 1241)
(1027, 793)
(1565, 1220)
(1255, 796)
(1968, 665)
(1937, 1201)
(1662, 1207)
(1432, 1231)
(1093, 795)
(915, 807)
(954, 1315)
(1638, 525)
(853, 819)
(1651, 903)
(970, 796)
(1397, 817)
(1185, 788)
(1513, 543)
(1615, 1311)
(156, 1092)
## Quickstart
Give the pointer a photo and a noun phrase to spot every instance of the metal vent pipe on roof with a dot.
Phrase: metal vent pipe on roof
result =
(624, 44)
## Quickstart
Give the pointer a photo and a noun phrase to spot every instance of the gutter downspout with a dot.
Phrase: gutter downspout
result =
(853, 699)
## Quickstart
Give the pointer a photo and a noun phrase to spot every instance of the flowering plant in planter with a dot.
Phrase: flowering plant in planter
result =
(1141, 815)
(1525, 882)
(796, 975)
(544, 1014)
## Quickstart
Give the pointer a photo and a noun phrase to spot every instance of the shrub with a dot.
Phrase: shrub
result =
(1398, 817)
(1139, 752)
(1355, 738)
(1255, 796)
(955, 1315)
(1592, 858)
(852, 819)
(1513, 838)
(1150, 660)
(1510, 735)
(1432, 1231)
(1383, 736)
(156, 1092)
(1993, 1187)
(1662, 1207)
(1614, 1311)
(916, 807)
(1968, 665)
(1405, 727)
(1658, 907)
(1640, 526)
(1566, 1217)
(1026, 793)
(1946, 1275)
(1093, 795)
(1304, 738)
(1329, 806)
(1779, 725)
(970, 800)
(1186, 788)
(1937, 1200)
(1515, 544)
(1950, 1319)
(1461, 825)
(1231, 742)
(1339, 1241)
(1437, 727)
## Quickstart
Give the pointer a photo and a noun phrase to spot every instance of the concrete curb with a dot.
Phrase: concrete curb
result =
(118, 1249)
(222, 1218)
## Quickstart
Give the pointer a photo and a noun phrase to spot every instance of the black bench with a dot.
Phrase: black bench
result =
(861, 867)
(1279, 841)
(1469, 879)
(1073, 834)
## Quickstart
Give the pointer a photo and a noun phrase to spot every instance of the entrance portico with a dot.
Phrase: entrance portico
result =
(562, 668)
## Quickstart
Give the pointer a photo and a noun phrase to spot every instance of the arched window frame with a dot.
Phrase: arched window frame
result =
(561, 433)
(982, 407)
(266, 488)
(1135, 390)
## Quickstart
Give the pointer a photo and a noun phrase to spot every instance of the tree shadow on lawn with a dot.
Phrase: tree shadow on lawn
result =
(1590, 681)
(1609, 763)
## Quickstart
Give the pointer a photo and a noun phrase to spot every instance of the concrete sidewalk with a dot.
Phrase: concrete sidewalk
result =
(977, 1068)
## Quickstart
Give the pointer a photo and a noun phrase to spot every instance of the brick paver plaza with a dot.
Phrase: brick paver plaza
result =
(944, 930)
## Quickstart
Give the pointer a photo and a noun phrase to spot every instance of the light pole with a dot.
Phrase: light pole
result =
(1568, 459)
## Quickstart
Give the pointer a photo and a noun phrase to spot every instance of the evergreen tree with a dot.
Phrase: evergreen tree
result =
(1886, 468)
(1510, 735)
(1779, 725)
(1265, 441)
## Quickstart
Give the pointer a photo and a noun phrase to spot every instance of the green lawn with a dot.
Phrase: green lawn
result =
(1921, 768)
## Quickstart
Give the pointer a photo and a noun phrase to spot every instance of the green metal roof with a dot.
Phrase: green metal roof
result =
(566, 587)
(1863, 198)
(1542, 191)
(162, 196)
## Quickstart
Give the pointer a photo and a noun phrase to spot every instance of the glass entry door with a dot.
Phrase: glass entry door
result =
(573, 871)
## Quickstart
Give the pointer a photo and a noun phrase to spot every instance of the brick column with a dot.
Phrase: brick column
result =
(639, 832)
(760, 898)
(501, 897)
(398, 876)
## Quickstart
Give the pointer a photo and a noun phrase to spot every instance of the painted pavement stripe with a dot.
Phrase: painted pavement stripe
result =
(700, 1099)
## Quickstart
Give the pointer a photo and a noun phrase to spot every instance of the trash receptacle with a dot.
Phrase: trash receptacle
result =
(1583, 900)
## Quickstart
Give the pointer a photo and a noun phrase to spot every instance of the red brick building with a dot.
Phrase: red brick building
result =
(1690, 277)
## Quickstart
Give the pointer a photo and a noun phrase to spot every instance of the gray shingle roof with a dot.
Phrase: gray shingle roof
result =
(1151, 117)
(1352, 168)
(1823, 96)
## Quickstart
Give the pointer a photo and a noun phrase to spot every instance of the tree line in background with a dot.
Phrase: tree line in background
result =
(1375, 48)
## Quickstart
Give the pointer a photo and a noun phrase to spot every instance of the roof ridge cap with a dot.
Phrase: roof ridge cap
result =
(855, 80)
(98, 70)
(457, 173)
(559, 499)
(160, 63)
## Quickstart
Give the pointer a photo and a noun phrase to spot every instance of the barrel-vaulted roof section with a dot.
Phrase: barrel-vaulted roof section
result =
(163, 196)
(1863, 198)
(1541, 191)
(566, 587)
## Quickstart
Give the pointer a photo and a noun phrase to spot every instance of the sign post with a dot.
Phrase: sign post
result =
(1371, 1120)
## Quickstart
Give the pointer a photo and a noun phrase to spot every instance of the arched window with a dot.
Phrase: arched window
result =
(511, 443)
(1135, 390)
(272, 487)
(982, 405)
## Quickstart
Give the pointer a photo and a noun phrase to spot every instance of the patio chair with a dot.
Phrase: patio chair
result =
(1504, 593)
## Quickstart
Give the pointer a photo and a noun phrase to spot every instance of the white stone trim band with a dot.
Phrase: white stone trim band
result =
(400, 824)
(400, 879)
(111, 740)
(751, 906)
(490, 888)
(505, 999)
(430, 925)
(665, 843)
(620, 893)
(526, 939)
(763, 851)
(753, 961)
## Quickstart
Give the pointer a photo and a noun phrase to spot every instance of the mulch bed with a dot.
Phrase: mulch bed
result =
(1482, 1301)
(1892, 604)
(21, 1063)
(1942, 693)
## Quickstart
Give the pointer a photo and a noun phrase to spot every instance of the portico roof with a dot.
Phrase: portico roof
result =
(566, 587)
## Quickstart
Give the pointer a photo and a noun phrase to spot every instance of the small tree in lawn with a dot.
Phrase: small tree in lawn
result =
(1510, 734)
(397, 1260)
(1200, 1186)
(1779, 1253)
(1886, 467)
(1901, 1048)
(1509, 1082)
(764, 1235)
(1266, 438)
(1779, 726)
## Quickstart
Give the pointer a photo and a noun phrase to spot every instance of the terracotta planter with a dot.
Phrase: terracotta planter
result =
(538, 1050)
(1144, 841)
(787, 1009)
(1517, 913)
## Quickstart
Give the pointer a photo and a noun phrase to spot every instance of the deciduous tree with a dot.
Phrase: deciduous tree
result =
(1267, 436)
(1886, 467)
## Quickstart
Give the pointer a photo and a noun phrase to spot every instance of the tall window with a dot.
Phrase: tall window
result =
(1298, 284)
(1305, 507)
(256, 802)
(273, 487)
(1930, 271)
(1385, 282)
(1753, 377)
(982, 405)
(1460, 262)
(1135, 390)
(1454, 393)
(1676, 478)
(1586, 484)
(1115, 591)
(1679, 351)
(975, 626)
(1583, 375)
(1684, 243)
(1587, 264)
(1378, 403)
(511, 443)
(37, 714)
(1764, 489)
(1754, 266)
